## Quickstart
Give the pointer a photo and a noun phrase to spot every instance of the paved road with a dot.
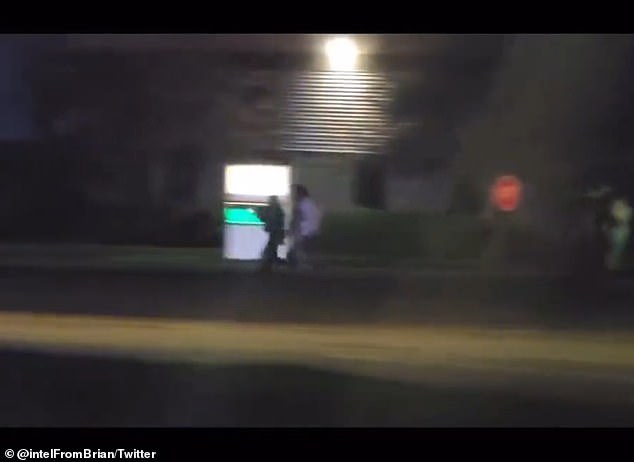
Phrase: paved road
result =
(235, 348)
(124, 371)
(62, 390)
(345, 297)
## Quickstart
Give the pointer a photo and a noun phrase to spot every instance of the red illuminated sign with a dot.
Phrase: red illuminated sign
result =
(506, 193)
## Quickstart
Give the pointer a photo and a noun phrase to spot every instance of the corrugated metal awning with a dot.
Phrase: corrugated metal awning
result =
(337, 112)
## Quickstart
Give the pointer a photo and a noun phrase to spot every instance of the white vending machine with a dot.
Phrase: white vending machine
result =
(247, 188)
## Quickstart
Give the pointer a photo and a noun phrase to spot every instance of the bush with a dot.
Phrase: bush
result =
(453, 236)
(151, 226)
(383, 235)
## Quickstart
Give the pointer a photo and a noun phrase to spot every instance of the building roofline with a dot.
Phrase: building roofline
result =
(392, 44)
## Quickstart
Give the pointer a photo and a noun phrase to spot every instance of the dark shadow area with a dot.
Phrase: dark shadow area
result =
(56, 390)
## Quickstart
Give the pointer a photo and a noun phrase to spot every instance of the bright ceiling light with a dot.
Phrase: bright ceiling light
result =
(342, 54)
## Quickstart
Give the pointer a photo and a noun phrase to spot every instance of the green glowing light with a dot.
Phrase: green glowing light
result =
(242, 216)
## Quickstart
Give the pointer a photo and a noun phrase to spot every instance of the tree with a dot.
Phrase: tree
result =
(550, 104)
(434, 101)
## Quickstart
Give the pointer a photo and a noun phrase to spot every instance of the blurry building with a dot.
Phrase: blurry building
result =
(147, 121)
(260, 95)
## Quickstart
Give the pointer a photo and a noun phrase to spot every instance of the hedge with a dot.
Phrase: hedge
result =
(376, 234)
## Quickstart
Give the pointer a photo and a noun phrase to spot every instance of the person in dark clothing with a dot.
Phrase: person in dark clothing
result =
(273, 218)
(604, 224)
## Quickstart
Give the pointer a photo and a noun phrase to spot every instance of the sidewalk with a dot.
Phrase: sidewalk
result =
(140, 258)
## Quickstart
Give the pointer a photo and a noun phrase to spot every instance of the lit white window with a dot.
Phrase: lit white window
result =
(257, 180)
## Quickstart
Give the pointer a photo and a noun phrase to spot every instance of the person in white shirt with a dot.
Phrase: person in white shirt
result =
(305, 226)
